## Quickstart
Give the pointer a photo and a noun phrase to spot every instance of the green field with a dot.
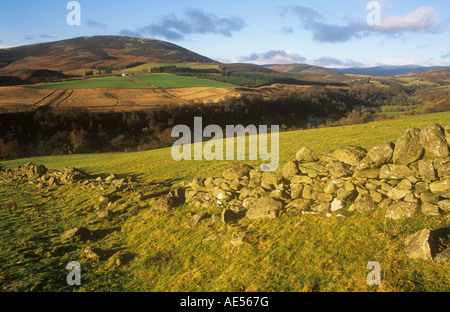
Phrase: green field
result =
(165, 81)
(290, 253)
(168, 81)
(92, 83)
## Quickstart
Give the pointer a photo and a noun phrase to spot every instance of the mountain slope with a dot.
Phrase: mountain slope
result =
(304, 69)
(387, 71)
(83, 52)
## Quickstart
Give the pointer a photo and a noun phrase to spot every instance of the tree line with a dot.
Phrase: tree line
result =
(68, 131)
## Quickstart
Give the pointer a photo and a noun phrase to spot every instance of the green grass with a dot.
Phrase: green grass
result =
(92, 83)
(173, 81)
(290, 253)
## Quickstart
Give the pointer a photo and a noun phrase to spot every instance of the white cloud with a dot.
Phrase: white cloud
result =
(271, 57)
(423, 18)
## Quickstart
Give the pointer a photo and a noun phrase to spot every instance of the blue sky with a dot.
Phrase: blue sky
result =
(320, 32)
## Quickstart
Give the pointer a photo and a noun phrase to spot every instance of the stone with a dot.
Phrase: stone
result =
(364, 205)
(330, 188)
(442, 166)
(405, 185)
(301, 179)
(120, 258)
(444, 205)
(426, 169)
(289, 170)
(269, 180)
(174, 198)
(350, 155)
(339, 169)
(417, 245)
(401, 210)
(75, 234)
(447, 134)
(408, 148)
(237, 172)
(237, 241)
(376, 196)
(296, 190)
(382, 153)
(264, 207)
(367, 174)
(199, 217)
(95, 254)
(396, 172)
(397, 194)
(300, 204)
(336, 205)
(305, 154)
(198, 184)
(104, 214)
(345, 195)
(324, 197)
(430, 209)
(428, 197)
(441, 188)
(433, 140)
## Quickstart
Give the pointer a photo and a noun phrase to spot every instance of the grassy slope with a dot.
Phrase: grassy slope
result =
(174, 81)
(291, 253)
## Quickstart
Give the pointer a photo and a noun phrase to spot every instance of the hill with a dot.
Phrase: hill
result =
(386, 71)
(439, 75)
(304, 69)
(86, 52)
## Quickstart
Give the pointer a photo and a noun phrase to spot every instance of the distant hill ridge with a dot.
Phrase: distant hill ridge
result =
(84, 52)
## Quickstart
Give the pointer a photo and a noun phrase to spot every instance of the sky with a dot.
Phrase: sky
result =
(344, 33)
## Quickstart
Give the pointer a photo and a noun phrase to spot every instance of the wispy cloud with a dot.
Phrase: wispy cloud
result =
(442, 57)
(327, 61)
(269, 57)
(176, 28)
(423, 19)
(95, 24)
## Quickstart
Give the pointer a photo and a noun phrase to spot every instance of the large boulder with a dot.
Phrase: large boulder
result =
(350, 155)
(433, 140)
(265, 207)
(417, 245)
(396, 172)
(237, 172)
(382, 153)
(401, 210)
(305, 154)
(364, 205)
(408, 148)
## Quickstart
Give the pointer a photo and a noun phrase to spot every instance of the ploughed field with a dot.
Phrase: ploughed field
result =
(113, 93)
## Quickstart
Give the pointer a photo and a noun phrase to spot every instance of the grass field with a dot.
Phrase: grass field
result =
(168, 81)
(290, 253)
(93, 83)
(165, 81)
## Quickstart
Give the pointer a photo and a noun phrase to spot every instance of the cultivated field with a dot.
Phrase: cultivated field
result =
(113, 94)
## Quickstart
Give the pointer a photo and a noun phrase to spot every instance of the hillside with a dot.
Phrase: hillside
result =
(386, 71)
(304, 69)
(84, 52)
(439, 75)
(123, 244)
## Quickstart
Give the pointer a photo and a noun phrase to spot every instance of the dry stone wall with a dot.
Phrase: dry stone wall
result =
(408, 177)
